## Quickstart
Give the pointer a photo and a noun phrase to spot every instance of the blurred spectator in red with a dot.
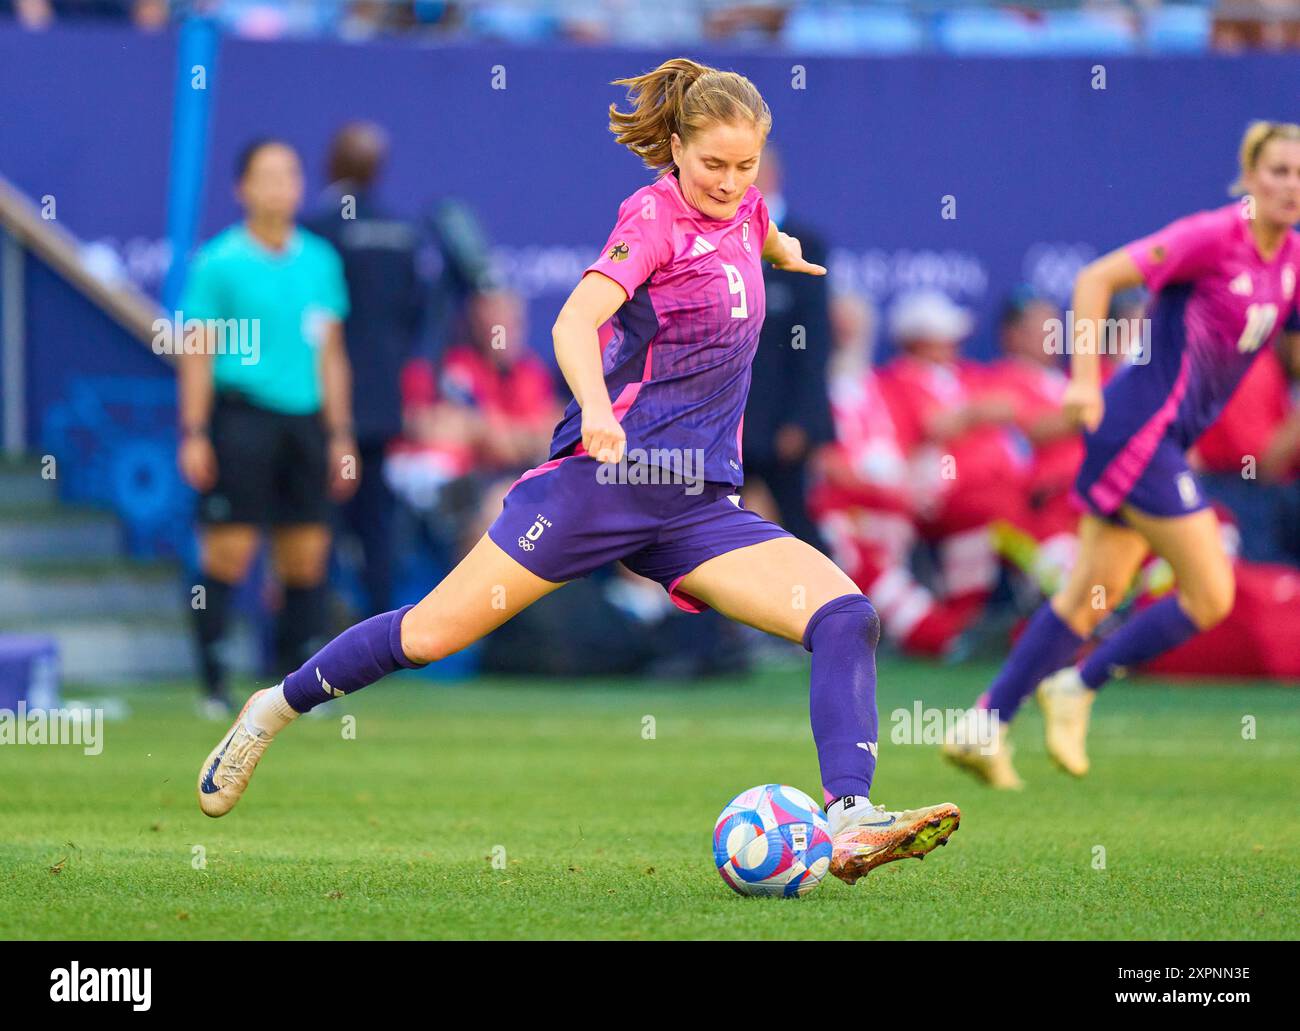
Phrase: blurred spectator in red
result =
(866, 462)
(952, 418)
(487, 408)
(1035, 378)
(861, 498)
(495, 375)
(865, 500)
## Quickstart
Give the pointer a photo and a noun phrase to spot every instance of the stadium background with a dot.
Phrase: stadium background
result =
(1058, 136)
(550, 808)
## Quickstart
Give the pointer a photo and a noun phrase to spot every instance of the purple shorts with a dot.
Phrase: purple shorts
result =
(560, 522)
(1118, 472)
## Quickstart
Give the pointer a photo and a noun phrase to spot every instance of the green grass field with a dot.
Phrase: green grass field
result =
(606, 833)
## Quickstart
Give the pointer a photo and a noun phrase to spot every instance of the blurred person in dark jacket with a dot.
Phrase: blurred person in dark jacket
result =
(788, 416)
(379, 263)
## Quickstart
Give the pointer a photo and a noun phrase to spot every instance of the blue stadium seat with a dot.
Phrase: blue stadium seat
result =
(840, 29)
(1179, 29)
(1088, 33)
(988, 32)
(511, 22)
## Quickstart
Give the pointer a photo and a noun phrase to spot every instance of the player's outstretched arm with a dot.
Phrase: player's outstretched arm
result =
(786, 253)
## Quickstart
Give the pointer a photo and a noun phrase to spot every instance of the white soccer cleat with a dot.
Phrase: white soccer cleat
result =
(228, 768)
(981, 745)
(1066, 702)
(872, 836)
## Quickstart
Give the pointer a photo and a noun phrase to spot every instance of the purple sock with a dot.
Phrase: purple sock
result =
(1151, 632)
(355, 659)
(1046, 645)
(842, 637)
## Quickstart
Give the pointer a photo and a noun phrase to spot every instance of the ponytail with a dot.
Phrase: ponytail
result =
(682, 97)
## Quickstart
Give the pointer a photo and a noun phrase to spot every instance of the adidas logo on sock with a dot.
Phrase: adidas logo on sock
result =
(333, 692)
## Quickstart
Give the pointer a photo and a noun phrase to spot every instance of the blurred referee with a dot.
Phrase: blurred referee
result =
(265, 407)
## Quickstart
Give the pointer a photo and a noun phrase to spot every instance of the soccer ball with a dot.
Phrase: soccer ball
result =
(772, 840)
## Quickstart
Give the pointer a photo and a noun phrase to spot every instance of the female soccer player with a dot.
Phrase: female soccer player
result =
(1223, 284)
(681, 278)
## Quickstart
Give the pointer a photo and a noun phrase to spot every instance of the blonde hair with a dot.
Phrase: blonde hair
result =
(682, 97)
(1257, 136)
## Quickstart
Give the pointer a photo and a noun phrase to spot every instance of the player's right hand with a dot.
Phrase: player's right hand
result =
(1083, 404)
(602, 436)
(198, 462)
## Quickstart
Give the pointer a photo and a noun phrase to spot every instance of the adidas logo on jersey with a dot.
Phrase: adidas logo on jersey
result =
(1242, 286)
(702, 246)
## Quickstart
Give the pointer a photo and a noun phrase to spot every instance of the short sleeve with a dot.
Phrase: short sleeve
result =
(640, 244)
(334, 287)
(201, 298)
(1181, 251)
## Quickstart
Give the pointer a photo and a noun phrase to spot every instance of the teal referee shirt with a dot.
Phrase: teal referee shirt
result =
(283, 301)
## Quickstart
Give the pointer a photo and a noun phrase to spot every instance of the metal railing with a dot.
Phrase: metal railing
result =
(23, 230)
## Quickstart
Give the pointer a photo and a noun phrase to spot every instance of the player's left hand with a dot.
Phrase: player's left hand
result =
(791, 257)
(345, 467)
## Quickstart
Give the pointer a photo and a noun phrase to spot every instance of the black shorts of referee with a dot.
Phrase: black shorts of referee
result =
(271, 467)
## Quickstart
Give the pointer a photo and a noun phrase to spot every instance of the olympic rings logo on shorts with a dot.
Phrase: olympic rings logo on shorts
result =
(526, 544)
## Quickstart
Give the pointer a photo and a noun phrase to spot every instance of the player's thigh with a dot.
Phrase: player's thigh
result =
(227, 550)
(775, 585)
(1193, 546)
(1108, 558)
(486, 588)
(300, 552)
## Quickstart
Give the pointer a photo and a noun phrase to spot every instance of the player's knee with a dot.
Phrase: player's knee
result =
(852, 609)
(1209, 604)
(870, 623)
(1076, 614)
(1084, 607)
(228, 564)
(303, 574)
(421, 642)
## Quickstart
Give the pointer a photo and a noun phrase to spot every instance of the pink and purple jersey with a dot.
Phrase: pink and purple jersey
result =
(1216, 304)
(677, 366)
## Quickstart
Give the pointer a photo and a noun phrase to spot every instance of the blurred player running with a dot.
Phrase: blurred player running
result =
(681, 277)
(1223, 285)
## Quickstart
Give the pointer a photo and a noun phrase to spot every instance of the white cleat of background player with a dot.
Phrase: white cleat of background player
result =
(1066, 702)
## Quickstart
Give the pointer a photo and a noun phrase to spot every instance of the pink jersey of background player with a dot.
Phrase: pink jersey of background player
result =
(678, 364)
(1216, 305)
